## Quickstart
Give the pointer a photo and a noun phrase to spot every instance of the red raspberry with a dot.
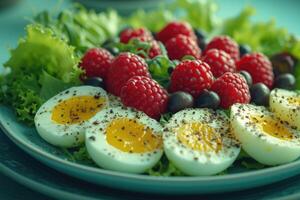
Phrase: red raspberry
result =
(180, 46)
(139, 33)
(219, 62)
(123, 67)
(154, 50)
(173, 29)
(226, 44)
(232, 88)
(145, 94)
(96, 62)
(191, 76)
(259, 67)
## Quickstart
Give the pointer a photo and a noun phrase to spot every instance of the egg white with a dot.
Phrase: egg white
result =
(283, 109)
(64, 135)
(195, 162)
(112, 158)
(261, 146)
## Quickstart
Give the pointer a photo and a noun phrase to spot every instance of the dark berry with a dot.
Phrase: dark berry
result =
(199, 34)
(94, 81)
(285, 81)
(247, 76)
(179, 101)
(282, 63)
(170, 70)
(208, 99)
(244, 49)
(200, 38)
(260, 94)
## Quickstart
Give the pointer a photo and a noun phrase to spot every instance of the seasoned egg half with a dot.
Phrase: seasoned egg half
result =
(62, 120)
(199, 142)
(125, 140)
(286, 106)
(263, 136)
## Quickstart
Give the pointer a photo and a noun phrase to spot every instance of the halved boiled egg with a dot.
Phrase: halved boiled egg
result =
(199, 142)
(125, 140)
(286, 106)
(263, 136)
(62, 120)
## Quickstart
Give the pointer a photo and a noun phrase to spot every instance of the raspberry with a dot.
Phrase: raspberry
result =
(226, 44)
(191, 76)
(139, 33)
(180, 46)
(232, 88)
(259, 67)
(173, 29)
(123, 67)
(154, 50)
(96, 62)
(219, 62)
(145, 94)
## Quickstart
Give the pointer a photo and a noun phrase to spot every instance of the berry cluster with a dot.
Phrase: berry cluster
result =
(220, 74)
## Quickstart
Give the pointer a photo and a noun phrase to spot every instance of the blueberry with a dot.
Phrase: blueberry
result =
(285, 81)
(283, 63)
(244, 49)
(94, 81)
(179, 101)
(109, 45)
(247, 76)
(208, 99)
(260, 94)
(200, 38)
(199, 34)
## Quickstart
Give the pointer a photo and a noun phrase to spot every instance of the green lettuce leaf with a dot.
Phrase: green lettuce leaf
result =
(39, 67)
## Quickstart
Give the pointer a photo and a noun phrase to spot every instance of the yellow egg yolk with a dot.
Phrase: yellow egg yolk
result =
(294, 101)
(77, 109)
(200, 137)
(128, 135)
(272, 127)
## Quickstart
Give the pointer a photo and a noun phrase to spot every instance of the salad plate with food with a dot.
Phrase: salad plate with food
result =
(171, 100)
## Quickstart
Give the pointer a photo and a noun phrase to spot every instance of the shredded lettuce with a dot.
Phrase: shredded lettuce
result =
(40, 66)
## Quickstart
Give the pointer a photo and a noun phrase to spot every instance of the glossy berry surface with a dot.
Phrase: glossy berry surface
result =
(247, 77)
(173, 29)
(282, 63)
(226, 44)
(259, 67)
(179, 101)
(140, 33)
(180, 46)
(232, 88)
(123, 67)
(219, 61)
(145, 94)
(94, 81)
(191, 76)
(285, 81)
(260, 94)
(208, 99)
(96, 62)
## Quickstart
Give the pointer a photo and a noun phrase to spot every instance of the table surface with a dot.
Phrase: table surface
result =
(14, 19)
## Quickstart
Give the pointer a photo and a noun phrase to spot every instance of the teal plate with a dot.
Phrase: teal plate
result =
(30, 173)
(28, 140)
